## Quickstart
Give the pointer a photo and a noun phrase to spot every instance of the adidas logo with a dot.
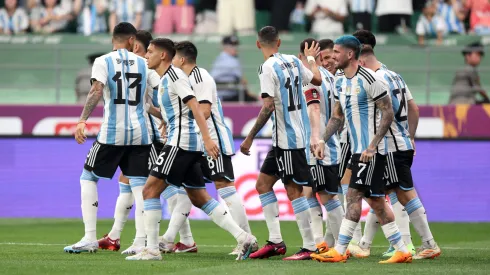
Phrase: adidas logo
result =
(277, 216)
(226, 212)
(155, 169)
(213, 173)
(359, 181)
(129, 208)
(320, 215)
(96, 204)
(186, 214)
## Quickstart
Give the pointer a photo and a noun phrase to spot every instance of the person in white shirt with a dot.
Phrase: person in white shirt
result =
(430, 24)
(49, 17)
(393, 14)
(13, 19)
(126, 11)
(327, 16)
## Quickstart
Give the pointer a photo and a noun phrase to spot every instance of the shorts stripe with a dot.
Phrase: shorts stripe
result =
(321, 175)
(392, 168)
(289, 163)
(169, 161)
(93, 155)
(153, 155)
(343, 155)
(219, 162)
(370, 171)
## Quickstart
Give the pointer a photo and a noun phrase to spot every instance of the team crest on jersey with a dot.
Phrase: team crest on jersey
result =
(358, 90)
(348, 90)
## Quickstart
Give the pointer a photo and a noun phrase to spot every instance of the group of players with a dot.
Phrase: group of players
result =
(343, 125)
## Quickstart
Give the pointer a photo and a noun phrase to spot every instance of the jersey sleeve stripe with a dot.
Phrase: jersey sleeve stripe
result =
(370, 82)
(380, 96)
(260, 69)
(367, 75)
(172, 74)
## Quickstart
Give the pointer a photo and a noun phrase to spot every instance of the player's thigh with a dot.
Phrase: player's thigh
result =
(368, 177)
(123, 179)
(220, 169)
(195, 185)
(269, 174)
(135, 161)
(327, 179)
(153, 187)
(103, 160)
(293, 166)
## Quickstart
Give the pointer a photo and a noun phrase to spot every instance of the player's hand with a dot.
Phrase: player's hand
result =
(413, 145)
(211, 148)
(245, 146)
(163, 129)
(320, 151)
(313, 50)
(80, 136)
(367, 155)
(314, 143)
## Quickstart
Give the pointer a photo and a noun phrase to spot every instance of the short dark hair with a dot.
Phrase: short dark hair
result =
(124, 30)
(367, 50)
(144, 37)
(166, 45)
(187, 49)
(350, 42)
(366, 37)
(309, 41)
(325, 44)
(268, 35)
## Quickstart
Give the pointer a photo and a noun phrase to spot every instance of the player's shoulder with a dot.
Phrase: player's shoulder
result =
(200, 75)
(368, 76)
(339, 73)
(174, 74)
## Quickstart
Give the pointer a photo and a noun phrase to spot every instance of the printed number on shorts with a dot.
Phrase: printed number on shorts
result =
(210, 163)
(313, 172)
(161, 158)
(280, 164)
(362, 166)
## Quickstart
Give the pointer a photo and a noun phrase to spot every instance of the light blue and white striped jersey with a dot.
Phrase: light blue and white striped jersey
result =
(282, 77)
(358, 96)
(89, 21)
(357, 6)
(125, 78)
(153, 122)
(205, 89)
(19, 22)
(430, 27)
(398, 137)
(324, 95)
(126, 10)
(448, 14)
(174, 92)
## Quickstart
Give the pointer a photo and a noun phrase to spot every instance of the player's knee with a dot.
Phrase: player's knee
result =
(263, 186)
(86, 175)
(308, 192)
(346, 178)
(123, 179)
(294, 190)
(198, 197)
(153, 188)
(405, 196)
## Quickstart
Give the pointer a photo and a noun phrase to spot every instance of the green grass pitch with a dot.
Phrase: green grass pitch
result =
(35, 246)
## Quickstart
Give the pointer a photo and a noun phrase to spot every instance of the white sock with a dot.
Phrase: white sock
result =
(370, 229)
(271, 214)
(345, 235)
(416, 212)
(235, 205)
(223, 219)
(335, 214)
(137, 189)
(401, 218)
(179, 216)
(124, 204)
(329, 239)
(302, 213)
(185, 230)
(153, 215)
(316, 216)
(394, 237)
(90, 204)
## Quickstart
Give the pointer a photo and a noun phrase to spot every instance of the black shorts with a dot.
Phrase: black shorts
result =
(217, 169)
(103, 160)
(362, 20)
(325, 178)
(398, 171)
(368, 177)
(287, 165)
(156, 147)
(389, 22)
(179, 167)
(345, 155)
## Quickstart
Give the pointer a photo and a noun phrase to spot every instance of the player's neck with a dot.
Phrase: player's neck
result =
(162, 68)
(119, 46)
(267, 52)
(351, 69)
(187, 68)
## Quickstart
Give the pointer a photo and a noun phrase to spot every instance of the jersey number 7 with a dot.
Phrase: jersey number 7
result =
(135, 84)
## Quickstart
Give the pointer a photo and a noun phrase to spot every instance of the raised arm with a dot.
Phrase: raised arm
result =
(311, 53)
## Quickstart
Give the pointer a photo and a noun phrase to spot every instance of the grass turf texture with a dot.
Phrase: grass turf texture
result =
(35, 246)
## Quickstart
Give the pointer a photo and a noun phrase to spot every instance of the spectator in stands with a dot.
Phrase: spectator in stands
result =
(91, 17)
(125, 11)
(228, 74)
(13, 19)
(430, 24)
(280, 14)
(480, 16)
(394, 15)
(50, 17)
(206, 19)
(174, 15)
(82, 82)
(237, 16)
(327, 16)
(361, 11)
(466, 82)
(453, 14)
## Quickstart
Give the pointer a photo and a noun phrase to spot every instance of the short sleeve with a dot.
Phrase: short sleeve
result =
(139, 6)
(419, 29)
(182, 87)
(306, 74)
(377, 89)
(153, 79)
(408, 94)
(204, 91)
(311, 94)
(338, 89)
(268, 81)
(99, 71)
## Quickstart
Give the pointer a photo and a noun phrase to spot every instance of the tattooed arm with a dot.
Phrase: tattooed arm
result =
(334, 124)
(264, 115)
(387, 116)
(92, 100)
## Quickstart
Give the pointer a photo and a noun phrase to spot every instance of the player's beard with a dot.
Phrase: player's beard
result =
(340, 65)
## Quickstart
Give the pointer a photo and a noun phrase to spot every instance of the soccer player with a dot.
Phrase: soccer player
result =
(326, 183)
(400, 152)
(401, 217)
(281, 80)
(127, 192)
(179, 161)
(219, 170)
(362, 99)
(121, 78)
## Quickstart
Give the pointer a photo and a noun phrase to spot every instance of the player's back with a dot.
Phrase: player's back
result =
(125, 77)
(204, 87)
(398, 136)
(291, 127)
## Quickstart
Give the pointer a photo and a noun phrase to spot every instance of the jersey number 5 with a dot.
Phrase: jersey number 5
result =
(292, 105)
(135, 84)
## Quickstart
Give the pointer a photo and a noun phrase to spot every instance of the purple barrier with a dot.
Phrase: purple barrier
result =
(39, 177)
